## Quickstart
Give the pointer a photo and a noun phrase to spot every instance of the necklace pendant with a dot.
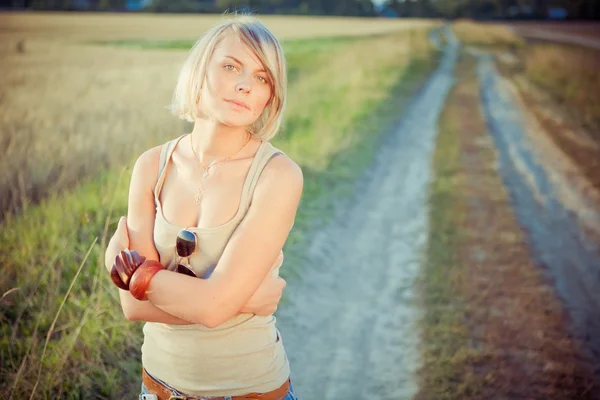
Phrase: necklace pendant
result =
(198, 197)
(205, 173)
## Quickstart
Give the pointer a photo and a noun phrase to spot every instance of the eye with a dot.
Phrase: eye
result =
(227, 66)
(262, 80)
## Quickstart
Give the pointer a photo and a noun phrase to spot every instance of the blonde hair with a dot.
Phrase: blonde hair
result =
(263, 44)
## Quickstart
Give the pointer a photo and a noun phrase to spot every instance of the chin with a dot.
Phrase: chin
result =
(231, 120)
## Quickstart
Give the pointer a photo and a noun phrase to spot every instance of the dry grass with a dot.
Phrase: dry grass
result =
(587, 29)
(496, 328)
(562, 138)
(561, 85)
(570, 75)
(76, 27)
(492, 36)
(72, 109)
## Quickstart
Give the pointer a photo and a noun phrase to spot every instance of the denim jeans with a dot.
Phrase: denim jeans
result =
(144, 391)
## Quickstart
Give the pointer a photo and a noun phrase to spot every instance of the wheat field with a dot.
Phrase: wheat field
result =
(72, 107)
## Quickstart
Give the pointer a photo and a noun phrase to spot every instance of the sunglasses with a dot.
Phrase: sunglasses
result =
(185, 245)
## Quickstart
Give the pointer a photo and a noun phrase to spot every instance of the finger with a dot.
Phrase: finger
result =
(128, 262)
(121, 269)
(127, 256)
(137, 258)
(114, 276)
(278, 262)
(122, 233)
(122, 223)
(121, 226)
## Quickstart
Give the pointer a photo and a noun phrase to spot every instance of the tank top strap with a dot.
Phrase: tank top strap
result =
(267, 152)
(165, 155)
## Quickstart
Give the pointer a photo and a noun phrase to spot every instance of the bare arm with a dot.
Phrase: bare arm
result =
(140, 228)
(247, 259)
(137, 234)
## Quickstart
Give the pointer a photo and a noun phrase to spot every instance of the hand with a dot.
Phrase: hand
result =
(118, 242)
(124, 268)
(266, 298)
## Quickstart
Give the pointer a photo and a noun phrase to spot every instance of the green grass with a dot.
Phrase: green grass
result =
(445, 332)
(293, 46)
(301, 54)
(337, 114)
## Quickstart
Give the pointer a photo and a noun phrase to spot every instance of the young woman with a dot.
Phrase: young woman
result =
(210, 211)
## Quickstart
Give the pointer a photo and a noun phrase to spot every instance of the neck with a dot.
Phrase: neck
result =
(213, 141)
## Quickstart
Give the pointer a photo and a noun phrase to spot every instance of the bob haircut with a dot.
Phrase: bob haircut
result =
(267, 49)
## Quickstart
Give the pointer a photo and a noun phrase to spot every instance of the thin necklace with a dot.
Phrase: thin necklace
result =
(200, 193)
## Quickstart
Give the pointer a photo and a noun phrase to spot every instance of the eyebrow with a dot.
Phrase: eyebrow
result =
(239, 62)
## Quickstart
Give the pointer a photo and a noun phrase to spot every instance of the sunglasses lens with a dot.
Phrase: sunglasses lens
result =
(186, 243)
(182, 269)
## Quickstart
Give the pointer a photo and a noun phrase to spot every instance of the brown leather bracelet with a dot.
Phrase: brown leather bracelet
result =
(140, 280)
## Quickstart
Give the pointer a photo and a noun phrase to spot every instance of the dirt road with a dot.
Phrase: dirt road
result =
(351, 330)
(569, 256)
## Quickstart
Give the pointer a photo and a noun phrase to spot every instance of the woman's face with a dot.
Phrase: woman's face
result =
(235, 74)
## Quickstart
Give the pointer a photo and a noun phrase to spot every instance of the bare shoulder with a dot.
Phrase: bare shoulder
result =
(279, 186)
(145, 170)
(149, 158)
(276, 198)
(281, 172)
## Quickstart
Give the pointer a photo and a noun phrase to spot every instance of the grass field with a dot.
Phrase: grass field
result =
(76, 114)
(87, 105)
(580, 28)
(489, 36)
(73, 27)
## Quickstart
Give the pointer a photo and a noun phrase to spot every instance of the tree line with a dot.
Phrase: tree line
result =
(498, 9)
(478, 9)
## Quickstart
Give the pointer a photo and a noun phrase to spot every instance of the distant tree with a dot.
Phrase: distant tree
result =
(450, 8)
(178, 6)
(493, 8)
(106, 5)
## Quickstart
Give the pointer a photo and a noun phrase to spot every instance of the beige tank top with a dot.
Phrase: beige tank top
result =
(243, 355)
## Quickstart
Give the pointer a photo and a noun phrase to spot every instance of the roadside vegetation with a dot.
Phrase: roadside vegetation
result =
(491, 37)
(559, 83)
(493, 327)
(561, 86)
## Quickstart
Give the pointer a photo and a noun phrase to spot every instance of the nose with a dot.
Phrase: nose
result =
(242, 86)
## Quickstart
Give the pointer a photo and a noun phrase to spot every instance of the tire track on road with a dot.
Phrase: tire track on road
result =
(557, 240)
(351, 328)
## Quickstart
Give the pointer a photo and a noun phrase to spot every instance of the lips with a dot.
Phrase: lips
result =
(239, 103)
